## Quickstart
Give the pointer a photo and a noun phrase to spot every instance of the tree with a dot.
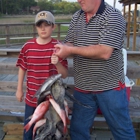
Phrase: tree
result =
(69, 8)
(46, 6)
(23, 6)
(66, 7)
(15, 6)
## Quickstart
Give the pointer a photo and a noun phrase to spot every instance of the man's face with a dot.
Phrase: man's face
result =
(88, 5)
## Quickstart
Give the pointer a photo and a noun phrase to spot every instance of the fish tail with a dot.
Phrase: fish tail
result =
(27, 127)
(65, 130)
(67, 120)
(34, 130)
(33, 136)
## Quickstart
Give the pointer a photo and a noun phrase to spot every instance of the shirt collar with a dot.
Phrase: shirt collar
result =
(101, 7)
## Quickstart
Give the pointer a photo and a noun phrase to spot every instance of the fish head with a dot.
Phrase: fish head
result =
(43, 96)
(47, 84)
(58, 90)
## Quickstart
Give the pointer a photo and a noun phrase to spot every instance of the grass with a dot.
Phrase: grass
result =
(64, 28)
(63, 20)
(29, 19)
(25, 29)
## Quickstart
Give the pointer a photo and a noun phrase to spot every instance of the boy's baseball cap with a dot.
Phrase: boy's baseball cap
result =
(45, 16)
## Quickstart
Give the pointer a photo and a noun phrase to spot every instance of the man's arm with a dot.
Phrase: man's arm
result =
(93, 51)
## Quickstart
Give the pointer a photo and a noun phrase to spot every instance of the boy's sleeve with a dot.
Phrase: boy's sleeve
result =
(64, 62)
(22, 59)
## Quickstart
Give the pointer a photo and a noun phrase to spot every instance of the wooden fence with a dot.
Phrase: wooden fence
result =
(15, 34)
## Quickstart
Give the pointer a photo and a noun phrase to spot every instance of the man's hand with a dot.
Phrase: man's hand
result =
(62, 50)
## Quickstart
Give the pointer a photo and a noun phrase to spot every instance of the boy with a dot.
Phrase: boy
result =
(38, 60)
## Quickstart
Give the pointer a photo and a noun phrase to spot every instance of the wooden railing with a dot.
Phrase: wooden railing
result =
(17, 34)
(14, 34)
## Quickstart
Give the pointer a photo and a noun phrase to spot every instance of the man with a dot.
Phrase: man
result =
(95, 39)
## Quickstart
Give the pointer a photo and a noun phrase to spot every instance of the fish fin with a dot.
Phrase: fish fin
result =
(66, 107)
(72, 98)
(65, 130)
(66, 112)
(30, 117)
(69, 111)
(34, 131)
(33, 135)
(27, 127)
(36, 94)
(67, 120)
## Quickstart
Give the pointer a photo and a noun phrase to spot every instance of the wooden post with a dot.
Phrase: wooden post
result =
(128, 27)
(7, 35)
(114, 3)
(134, 36)
(58, 35)
(135, 27)
(34, 31)
(124, 12)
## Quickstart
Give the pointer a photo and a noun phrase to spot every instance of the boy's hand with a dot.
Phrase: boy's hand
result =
(54, 59)
(19, 95)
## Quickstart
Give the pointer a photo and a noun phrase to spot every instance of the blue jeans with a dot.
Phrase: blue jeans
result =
(28, 112)
(114, 106)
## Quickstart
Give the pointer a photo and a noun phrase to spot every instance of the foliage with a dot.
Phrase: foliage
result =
(66, 7)
(10, 7)
(45, 6)
(16, 6)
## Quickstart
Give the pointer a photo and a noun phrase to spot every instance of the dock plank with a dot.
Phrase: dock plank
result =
(10, 86)
(2, 59)
(2, 133)
(8, 77)
(2, 76)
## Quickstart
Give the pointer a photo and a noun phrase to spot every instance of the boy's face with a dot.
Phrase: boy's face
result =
(44, 30)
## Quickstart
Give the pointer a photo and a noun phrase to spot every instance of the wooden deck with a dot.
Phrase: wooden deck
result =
(12, 110)
(8, 80)
(14, 130)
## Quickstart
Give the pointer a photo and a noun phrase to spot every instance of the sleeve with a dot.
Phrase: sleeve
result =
(113, 31)
(64, 62)
(22, 59)
(70, 35)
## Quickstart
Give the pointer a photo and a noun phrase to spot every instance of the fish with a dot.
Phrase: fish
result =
(58, 135)
(58, 92)
(43, 97)
(59, 103)
(49, 130)
(60, 128)
(38, 131)
(44, 131)
(70, 97)
(38, 114)
(60, 112)
(38, 124)
(47, 84)
(67, 110)
(55, 118)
